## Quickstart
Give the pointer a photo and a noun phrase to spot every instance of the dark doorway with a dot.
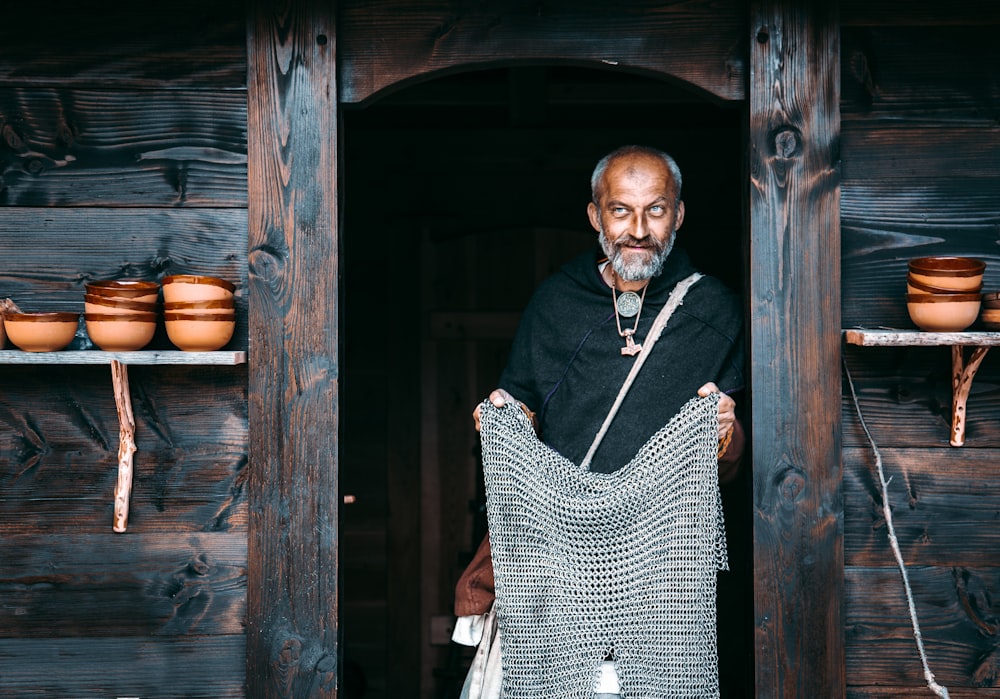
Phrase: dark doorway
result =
(459, 195)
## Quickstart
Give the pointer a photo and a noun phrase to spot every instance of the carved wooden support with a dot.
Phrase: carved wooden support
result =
(962, 373)
(126, 444)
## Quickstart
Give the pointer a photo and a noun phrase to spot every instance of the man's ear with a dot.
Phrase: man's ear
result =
(594, 215)
(680, 215)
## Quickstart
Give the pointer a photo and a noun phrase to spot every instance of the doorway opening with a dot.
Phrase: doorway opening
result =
(459, 195)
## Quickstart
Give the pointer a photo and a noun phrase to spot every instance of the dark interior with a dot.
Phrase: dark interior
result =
(481, 154)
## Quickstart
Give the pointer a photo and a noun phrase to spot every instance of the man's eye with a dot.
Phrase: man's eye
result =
(618, 210)
(657, 210)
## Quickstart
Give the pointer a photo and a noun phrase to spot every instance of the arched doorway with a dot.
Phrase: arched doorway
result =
(459, 194)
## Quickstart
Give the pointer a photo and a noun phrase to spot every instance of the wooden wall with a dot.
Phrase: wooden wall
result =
(123, 154)
(921, 174)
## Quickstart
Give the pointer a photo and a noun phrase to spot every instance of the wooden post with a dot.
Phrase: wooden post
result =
(795, 348)
(293, 361)
(126, 444)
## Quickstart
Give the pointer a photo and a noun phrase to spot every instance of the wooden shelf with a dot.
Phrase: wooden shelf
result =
(141, 357)
(889, 337)
(963, 369)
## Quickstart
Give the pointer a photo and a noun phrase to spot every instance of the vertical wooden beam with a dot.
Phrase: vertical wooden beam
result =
(795, 348)
(292, 172)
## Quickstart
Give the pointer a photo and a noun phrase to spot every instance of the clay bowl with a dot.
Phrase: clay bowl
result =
(199, 332)
(113, 305)
(990, 318)
(991, 299)
(951, 273)
(125, 289)
(915, 286)
(191, 287)
(41, 332)
(120, 332)
(201, 307)
(943, 312)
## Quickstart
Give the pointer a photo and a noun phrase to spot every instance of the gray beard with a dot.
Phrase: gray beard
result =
(635, 271)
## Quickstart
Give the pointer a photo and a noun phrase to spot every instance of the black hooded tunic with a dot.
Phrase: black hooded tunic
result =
(566, 362)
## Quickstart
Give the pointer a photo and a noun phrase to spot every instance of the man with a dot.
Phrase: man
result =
(587, 325)
(566, 364)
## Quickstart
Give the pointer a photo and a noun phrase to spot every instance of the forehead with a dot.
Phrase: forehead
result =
(641, 175)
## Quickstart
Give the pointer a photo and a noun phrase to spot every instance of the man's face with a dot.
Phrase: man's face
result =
(637, 216)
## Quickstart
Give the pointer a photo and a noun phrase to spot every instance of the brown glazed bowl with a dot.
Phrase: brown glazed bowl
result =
(950, 273)
(201, 307)
(192, 287)
(990, 318)
(943, 312)
(991, 299)
(41, 332)
(199, 332)
(120, 332)
(915, 286)
(113, 305)
(125, 289)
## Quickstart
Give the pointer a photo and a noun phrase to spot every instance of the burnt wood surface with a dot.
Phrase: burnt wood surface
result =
(169, 667)
(122, 154)
(921, 168)
(794, 302)
(292, 594)
(699, 42)
(141, 148)
(63, 43)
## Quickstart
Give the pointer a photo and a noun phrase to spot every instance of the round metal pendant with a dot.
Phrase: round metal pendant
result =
(629, 304)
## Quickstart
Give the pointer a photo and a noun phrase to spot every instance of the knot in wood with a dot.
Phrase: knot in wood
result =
(787, 142)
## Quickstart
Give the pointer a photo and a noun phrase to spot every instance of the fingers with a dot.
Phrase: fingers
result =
(727, 407)
(499, 398)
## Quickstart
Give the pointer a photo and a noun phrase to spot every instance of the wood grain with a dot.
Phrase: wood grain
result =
(114, 585)
(70, 42)
(141, 148)
(943, 503)
(195, 667)
(699, 43)
(292, 624)
(795, 342)
(956, 612)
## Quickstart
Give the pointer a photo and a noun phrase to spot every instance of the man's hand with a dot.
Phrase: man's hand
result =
(499, 398)
(727, 408)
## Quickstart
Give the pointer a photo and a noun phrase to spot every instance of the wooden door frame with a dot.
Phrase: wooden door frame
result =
(793, 182)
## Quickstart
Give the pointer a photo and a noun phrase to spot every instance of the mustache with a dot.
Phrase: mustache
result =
(629, 241)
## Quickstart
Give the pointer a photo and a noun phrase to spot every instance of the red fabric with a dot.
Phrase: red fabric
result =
(475, 590)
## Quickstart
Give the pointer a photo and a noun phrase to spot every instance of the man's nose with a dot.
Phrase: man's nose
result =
(641, 228)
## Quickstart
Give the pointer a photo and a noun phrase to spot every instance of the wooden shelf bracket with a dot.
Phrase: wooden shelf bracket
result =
(126, 444)
(962, 373)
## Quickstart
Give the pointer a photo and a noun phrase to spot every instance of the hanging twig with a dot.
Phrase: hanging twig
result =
(894, 542)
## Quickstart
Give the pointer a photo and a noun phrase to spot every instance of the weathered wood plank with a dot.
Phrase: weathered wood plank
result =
(933, 75)
(99, 585)
(62, 147)
(193, 667)
(293, 370)
(956, 610)
(918, 13)
(86, 42)
(795, 348)
(697, 42)
(944, 504)
(909, 155)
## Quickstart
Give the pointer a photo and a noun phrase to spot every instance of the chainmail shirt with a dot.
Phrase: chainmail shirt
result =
(590, 564)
